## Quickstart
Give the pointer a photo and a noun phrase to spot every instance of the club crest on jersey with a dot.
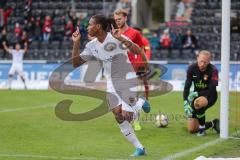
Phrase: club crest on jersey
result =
(110, 46)
(205, 77)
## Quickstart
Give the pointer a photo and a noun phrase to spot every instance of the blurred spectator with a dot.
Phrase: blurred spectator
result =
(235, 24)
(60, 29)
(3, 38)
(27, 13)
(83, 23)
(146, 32)
(124, 4)
(24, 39)
(176, 36)
(29, 27)
(15, 38)
(73, 17)
(63, 20)
(37, 29)
(47, 28)
(189, 41)
(212, 1)
(25, 25)
(4, 14)
(68, 30)
(18, 32)
(184, 10)
(28, 3)
(165, 40)
(152, 37)
(3, 3)
(154, 41)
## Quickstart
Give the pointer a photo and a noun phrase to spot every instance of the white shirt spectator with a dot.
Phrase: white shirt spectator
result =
(17, 56)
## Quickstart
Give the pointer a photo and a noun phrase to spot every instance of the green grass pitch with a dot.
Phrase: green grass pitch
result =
(30, 130)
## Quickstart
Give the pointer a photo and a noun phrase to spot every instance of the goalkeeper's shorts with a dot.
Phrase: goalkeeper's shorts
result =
(211, 101)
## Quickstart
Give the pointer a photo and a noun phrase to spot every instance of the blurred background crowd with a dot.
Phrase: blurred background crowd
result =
(47, 27)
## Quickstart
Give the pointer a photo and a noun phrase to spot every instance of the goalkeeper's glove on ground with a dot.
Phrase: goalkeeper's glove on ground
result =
(187, 109)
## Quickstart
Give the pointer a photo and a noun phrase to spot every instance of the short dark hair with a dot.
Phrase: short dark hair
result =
(104, 22)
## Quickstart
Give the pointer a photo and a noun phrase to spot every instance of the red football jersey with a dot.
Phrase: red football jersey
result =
(135, 37)
(147, 50)
(147, 47)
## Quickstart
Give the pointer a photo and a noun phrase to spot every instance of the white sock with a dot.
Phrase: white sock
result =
(128, 132)
(138, 106)
(201, 126)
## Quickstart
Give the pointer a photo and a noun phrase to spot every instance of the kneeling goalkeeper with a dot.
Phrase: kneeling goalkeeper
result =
(204, 76)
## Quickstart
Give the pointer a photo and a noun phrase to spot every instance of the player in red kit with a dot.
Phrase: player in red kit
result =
(146, 46)
(139, 62)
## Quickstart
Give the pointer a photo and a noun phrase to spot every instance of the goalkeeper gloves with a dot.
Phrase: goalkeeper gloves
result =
(191, 96)
(187, 109)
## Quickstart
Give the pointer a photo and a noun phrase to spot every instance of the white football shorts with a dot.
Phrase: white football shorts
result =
(16, 68)
(121, 97)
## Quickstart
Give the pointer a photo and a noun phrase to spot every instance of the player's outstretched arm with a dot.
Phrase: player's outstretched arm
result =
(5, 46)
(76, 59)
(130, 45)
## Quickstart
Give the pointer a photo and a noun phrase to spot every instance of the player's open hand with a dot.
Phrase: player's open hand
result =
(115, 32)
(76, 36)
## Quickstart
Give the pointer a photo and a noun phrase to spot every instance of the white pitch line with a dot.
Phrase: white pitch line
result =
(235, 138)
(198, 148)
(192, 150)
(44, 157)
(27, 108)
(54, 157)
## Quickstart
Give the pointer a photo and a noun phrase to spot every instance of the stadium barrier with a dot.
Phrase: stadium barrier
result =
(38, 72)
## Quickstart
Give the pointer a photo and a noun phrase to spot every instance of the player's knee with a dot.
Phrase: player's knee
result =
(119, 118)
(118, 114)
(128, 116)
(200, 102)
(193, 125)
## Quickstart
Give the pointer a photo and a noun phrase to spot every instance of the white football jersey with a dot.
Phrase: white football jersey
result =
(113, 56)
(17, 56)
(105, 52)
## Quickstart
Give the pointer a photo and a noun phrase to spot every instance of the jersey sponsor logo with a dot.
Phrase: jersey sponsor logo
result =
(110, 46)
(194, 76)
(201, 85)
